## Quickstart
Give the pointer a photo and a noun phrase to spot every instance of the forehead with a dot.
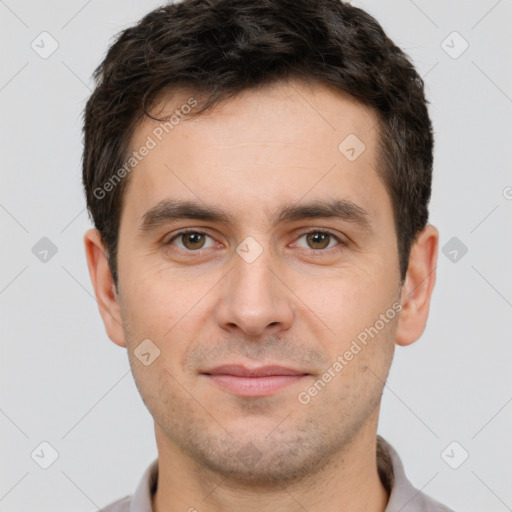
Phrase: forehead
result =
(269, 145)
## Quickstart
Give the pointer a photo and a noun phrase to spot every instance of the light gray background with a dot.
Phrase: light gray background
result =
(64, 382)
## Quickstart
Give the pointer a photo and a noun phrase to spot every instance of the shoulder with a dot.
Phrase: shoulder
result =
(120, 505)
(425, 502)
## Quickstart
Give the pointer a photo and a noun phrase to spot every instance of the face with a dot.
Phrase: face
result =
(257, 256)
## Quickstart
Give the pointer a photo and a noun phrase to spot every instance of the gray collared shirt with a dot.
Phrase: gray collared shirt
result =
(403, 496)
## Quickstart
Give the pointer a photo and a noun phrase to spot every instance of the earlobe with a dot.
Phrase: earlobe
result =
(104, 287)
(418, 286)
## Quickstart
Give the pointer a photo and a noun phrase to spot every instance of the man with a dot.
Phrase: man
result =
(259, 176)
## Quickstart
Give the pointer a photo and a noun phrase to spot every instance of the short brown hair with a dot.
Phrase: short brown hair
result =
(220, 48)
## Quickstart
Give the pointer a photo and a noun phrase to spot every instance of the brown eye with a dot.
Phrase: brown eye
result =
(192, 240)
(318, 239)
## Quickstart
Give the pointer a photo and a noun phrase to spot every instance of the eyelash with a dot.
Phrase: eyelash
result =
(341, 242)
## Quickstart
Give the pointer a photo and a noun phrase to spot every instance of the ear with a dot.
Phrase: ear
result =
(418, 286)
(104, 288)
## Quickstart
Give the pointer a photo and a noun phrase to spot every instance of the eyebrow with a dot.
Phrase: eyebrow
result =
(171, 210)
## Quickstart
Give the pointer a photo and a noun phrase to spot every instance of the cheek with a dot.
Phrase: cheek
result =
(172, 315)
(158, 385)
(349, 301)
(157, 302)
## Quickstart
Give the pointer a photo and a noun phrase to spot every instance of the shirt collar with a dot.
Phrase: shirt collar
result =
(403, 496)
(141, 499)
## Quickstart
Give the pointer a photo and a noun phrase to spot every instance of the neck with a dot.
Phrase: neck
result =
(349, 481)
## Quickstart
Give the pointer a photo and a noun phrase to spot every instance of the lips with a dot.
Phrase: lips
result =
(261, 381)
(263, 371)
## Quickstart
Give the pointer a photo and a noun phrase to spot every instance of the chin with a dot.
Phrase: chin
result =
(255, 458)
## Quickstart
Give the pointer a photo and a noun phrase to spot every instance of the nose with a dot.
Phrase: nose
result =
(254, 300)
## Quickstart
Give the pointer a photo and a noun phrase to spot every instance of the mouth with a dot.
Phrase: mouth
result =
(256, 382)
